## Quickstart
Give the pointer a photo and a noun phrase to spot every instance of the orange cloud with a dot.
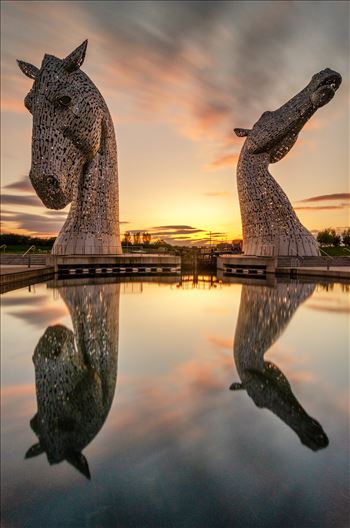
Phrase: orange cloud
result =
(315, 123)
(12, 391)
(227, 160)
(221, 343)
(221, 194)
(327, 197)
(13, 105)
(322, 207)
(302, 377)
(345, 309)
(41, 316)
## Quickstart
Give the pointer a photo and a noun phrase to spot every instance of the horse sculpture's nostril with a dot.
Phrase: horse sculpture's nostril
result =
(51, 180)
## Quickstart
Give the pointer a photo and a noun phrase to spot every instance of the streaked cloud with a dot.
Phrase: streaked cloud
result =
(17, 199)
(12, 105)
(57, 214)
(343, 309)
(176, 226)
(23, 300)
(220, 342)
(173, 230)
(21, 185)
(328, 197)
(176, 232)
(219, 194)
(227, 160)
(183, 238)
(41, 316)
(37, 224)
(322, 207)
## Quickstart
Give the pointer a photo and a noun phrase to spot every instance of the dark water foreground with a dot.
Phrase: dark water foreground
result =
(167, 404)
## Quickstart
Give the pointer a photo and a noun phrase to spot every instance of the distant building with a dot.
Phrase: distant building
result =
(234, 247)
(237, 246)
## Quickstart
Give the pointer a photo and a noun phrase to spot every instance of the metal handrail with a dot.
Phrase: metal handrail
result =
(28, 250)
(326, 254)
(330, 258)
(3, 246)
(24, 254)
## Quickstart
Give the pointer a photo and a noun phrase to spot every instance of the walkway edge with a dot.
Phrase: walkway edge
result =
(23, 276)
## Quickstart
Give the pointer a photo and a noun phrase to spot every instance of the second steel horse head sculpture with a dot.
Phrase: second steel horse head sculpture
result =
(270, 225)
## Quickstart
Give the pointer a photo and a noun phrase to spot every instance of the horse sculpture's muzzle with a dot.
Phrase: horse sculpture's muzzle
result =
(325, 91)
(49, 189)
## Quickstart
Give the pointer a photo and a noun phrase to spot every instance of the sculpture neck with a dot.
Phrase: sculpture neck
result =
(264, 314)
(94, 310)
(96, 203)
(269, 223)
(248, 161)
(92, 225)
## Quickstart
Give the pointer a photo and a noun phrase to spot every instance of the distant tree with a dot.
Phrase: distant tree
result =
(127, 237)
(328, 237)
(137, 238)
(12, 239)
(146, 238)
(336, 240)
(346, 236)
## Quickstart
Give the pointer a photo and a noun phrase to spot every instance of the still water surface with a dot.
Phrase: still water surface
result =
(159, 404)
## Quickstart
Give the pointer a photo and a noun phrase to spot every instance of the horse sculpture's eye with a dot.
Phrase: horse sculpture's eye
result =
(64, 100)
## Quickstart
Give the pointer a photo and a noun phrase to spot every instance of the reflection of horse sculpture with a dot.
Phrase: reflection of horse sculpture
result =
(76, 374)
(74, 154)
(264, 313)
(268, 218)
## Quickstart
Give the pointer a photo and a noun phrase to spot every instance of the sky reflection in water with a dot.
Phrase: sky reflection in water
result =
(175, 447)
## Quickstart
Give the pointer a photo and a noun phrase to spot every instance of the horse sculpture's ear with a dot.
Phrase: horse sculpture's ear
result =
(34, 451)
(28, 69)
(77, 460)
(74, 60)
(241, 132)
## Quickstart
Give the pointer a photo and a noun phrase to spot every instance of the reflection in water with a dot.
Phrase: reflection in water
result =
(264, 313)
(76, 373)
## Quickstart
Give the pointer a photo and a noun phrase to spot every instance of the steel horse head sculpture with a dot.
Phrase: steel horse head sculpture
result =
(74, 154)
(270, 225)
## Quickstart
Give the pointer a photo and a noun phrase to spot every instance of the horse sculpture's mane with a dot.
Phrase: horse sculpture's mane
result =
(74, 154)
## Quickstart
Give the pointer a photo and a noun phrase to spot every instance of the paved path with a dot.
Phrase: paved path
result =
(11, 276)
(334, 272)
(12, 268)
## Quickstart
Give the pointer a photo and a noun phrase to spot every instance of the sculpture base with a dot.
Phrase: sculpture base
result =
(246, 266)
(127, 264)
(291, 245)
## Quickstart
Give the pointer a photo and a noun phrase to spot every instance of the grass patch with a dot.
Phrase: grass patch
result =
(22, 249)
(340, 251)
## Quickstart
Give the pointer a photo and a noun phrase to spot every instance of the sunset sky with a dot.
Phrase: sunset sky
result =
(177, 78)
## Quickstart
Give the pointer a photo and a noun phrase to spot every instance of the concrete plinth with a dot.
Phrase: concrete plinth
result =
(246, 266)
(130, 264)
